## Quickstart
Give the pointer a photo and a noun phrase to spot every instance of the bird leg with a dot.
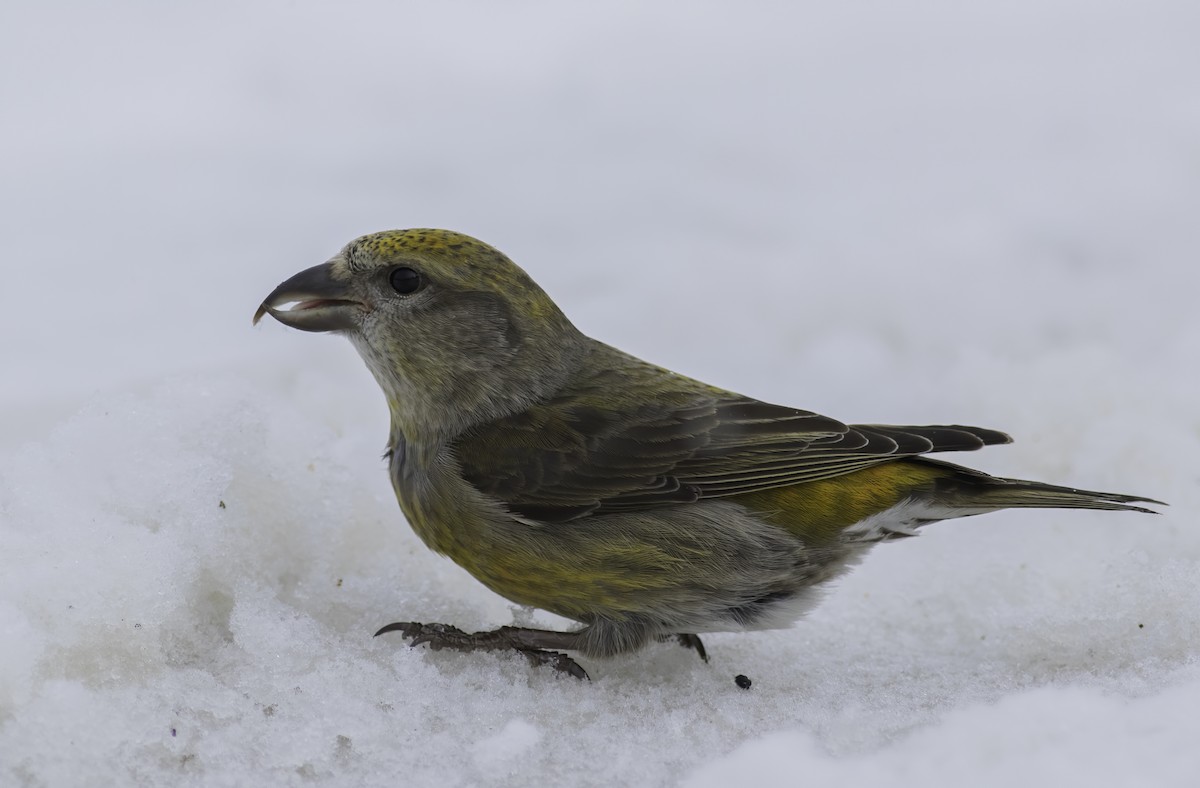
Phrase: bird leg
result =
(535, 644)
(687, 641)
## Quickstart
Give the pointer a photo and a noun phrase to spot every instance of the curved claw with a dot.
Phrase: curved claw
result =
(399, 626)
(557, 660)
(689, 641)
(438, 636)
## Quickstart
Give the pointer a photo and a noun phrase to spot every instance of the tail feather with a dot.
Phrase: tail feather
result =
(971, 489)
(1018, 494)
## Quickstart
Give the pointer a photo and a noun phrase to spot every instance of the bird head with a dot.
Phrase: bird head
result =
(454, 332)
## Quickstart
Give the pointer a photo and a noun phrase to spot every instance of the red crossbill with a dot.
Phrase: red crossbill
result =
(567, 475)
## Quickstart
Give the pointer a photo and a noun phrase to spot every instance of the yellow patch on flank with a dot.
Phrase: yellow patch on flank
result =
(818, 511)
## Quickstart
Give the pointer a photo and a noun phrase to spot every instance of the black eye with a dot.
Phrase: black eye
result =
(405, 280)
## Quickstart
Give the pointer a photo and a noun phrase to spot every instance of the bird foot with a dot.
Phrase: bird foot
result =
(688, 641)
(440, 636)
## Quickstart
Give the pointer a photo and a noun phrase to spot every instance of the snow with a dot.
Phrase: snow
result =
(907, 213)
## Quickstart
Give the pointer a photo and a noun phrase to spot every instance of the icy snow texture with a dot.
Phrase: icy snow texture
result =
(930, 212)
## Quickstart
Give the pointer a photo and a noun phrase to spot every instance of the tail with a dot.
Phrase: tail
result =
(977, 492)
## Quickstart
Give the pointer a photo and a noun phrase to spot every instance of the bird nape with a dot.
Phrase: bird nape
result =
(567, 475)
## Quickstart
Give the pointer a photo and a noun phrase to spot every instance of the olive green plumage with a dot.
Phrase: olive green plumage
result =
(567, 475)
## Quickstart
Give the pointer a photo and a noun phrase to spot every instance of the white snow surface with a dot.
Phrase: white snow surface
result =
(932, 212)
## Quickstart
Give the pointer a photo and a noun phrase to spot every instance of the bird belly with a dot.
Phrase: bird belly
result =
(705, 567)
(710, 566)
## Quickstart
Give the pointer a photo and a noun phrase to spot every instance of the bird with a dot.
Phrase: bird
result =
(569, 476)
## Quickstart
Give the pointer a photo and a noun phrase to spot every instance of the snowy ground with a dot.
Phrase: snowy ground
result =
(929, 212)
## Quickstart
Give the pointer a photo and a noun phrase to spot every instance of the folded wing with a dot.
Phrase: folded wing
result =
(588, 454)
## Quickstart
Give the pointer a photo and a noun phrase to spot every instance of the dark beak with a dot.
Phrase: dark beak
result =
(320, 302)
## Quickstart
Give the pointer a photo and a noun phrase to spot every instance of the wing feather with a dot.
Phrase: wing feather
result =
(603, 448)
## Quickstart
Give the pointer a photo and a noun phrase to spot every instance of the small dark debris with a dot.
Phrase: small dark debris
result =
(269, 711)
(1141, 626)
(221, 504)
(172, 733)
(742, 681)
(339, 582)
